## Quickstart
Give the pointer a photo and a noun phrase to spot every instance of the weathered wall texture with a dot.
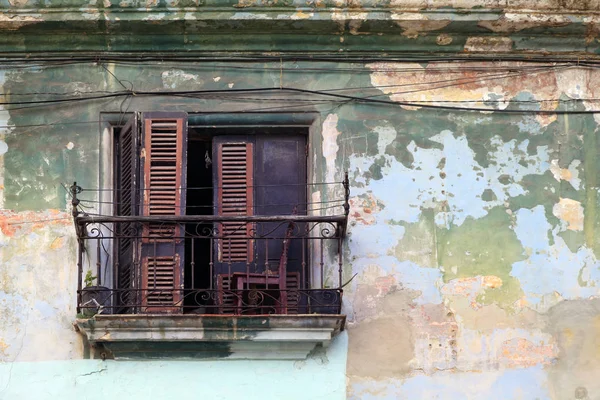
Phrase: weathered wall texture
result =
(474, 237)
(473, 234)
(564, 27)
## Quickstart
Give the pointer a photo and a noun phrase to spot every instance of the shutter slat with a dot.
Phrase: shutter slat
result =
(235, 198)
(164, 176)
(127, 204)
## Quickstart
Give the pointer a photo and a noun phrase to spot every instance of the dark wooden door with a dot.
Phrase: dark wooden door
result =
(280, 189)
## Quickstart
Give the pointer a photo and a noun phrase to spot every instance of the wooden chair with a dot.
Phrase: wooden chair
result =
(234, 288)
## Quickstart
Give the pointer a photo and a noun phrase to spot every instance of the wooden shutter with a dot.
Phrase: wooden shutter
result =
(164, 159)
(234, 171)
(126, 204)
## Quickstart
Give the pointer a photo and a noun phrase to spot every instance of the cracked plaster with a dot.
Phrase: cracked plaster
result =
(452, 236)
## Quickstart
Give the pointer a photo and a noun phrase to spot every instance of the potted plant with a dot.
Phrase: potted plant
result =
(94, 299)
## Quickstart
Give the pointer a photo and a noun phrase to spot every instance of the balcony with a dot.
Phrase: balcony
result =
(201, 279)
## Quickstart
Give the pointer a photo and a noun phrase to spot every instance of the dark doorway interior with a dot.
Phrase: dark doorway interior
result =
(279, 170)
(199, 202)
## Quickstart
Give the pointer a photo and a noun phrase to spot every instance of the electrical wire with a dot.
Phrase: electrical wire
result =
(38, 221)
(507, 72)
(316, 92)
(362, 67)
(157, 220)
(215, 207)
(58, 59)
(213, 187)
(460, 82)
(327, 93)
(490, 101)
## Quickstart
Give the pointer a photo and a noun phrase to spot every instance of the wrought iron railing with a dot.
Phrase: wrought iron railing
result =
(205, 264)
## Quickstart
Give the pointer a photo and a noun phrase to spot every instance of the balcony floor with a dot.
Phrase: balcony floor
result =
(211, 336)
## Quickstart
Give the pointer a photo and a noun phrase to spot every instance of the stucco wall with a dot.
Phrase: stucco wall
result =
(473, 235)
(321, 376)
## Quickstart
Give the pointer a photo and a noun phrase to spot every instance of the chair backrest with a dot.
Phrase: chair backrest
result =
(284, 253)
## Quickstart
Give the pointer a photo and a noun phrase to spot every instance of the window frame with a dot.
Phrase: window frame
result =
(109, 122)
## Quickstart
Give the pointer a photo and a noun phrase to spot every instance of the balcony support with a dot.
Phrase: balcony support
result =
(290, 337)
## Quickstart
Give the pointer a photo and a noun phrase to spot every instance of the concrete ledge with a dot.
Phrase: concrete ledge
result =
(211, 336)
(265, 6)
(265, 30)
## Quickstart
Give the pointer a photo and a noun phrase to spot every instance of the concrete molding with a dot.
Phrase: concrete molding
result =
(211, 336)
(258, 28)
(316, 6)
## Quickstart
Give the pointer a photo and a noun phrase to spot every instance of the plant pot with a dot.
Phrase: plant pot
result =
(95, 300)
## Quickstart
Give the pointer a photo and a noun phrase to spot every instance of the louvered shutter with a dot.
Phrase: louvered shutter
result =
(164, 156)
(233, 197)
(126, 204)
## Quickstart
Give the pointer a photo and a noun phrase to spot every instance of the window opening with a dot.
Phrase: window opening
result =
(200, 221)
(199, 202)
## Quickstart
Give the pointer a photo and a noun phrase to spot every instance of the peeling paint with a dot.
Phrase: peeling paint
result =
(330, 147)
(363, 209)
(489, 44)
(15, 22)
(571, 212)
(174, 78)
(471, 288)
(493, 93)
(570, 174)
(512, 22)
(36, 303)
(472, 236)
(302, 15)
(522, 353)
(552, 272)
(414, 25)
(444, 39)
